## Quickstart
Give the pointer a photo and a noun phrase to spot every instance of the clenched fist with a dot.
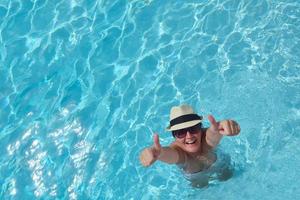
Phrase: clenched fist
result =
(224, 127)
(150, 155)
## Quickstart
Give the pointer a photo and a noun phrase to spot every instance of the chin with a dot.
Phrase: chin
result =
(192, 148)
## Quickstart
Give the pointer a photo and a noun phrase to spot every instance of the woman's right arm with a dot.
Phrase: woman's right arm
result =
(170, 155)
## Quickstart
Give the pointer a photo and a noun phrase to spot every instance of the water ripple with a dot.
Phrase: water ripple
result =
(84, 84)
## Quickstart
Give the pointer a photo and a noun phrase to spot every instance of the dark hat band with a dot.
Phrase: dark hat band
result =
(185, 118)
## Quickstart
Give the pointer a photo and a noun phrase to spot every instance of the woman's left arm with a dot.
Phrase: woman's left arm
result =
(216, 131)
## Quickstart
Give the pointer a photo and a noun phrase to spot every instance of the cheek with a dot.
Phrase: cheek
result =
(180, 140)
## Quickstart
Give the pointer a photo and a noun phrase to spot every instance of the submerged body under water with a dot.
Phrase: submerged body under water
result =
(220, 170)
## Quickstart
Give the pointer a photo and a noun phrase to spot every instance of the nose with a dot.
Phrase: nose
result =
(188, 134)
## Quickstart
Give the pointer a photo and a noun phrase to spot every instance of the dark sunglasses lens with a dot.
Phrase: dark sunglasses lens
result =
(193, 129)
(180, 133)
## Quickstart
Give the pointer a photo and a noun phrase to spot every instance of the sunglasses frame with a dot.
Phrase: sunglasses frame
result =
(181, 133)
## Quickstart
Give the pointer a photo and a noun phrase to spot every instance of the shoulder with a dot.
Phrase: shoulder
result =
(176, 146)
(181, 153)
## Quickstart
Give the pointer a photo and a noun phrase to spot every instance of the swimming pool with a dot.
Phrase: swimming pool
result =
(84, 84)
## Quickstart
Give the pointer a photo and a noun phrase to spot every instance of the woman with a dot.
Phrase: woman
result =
(193, 148)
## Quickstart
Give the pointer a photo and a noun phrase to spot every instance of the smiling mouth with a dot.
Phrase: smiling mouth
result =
(190, 142)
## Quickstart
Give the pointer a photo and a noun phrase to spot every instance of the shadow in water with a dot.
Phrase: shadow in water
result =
(222, 170)
(223, 174)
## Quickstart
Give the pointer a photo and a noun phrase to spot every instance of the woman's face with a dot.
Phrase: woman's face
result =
(189, 139)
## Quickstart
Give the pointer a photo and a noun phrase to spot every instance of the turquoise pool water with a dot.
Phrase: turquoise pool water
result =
(84, 84)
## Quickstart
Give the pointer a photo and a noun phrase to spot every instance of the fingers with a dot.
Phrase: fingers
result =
(156, 145)
(230, 127)
(225, 128)
(235, 128)
(147, 157)
(151, 154)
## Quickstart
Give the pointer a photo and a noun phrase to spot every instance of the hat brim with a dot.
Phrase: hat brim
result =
(183, 125)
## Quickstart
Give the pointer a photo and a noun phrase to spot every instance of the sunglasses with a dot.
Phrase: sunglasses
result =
(182, 132)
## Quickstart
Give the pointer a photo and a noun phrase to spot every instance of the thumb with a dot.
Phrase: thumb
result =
(213, 122)
(156, 144)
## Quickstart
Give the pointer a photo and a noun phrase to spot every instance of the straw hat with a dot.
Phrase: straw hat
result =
(183, 117)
